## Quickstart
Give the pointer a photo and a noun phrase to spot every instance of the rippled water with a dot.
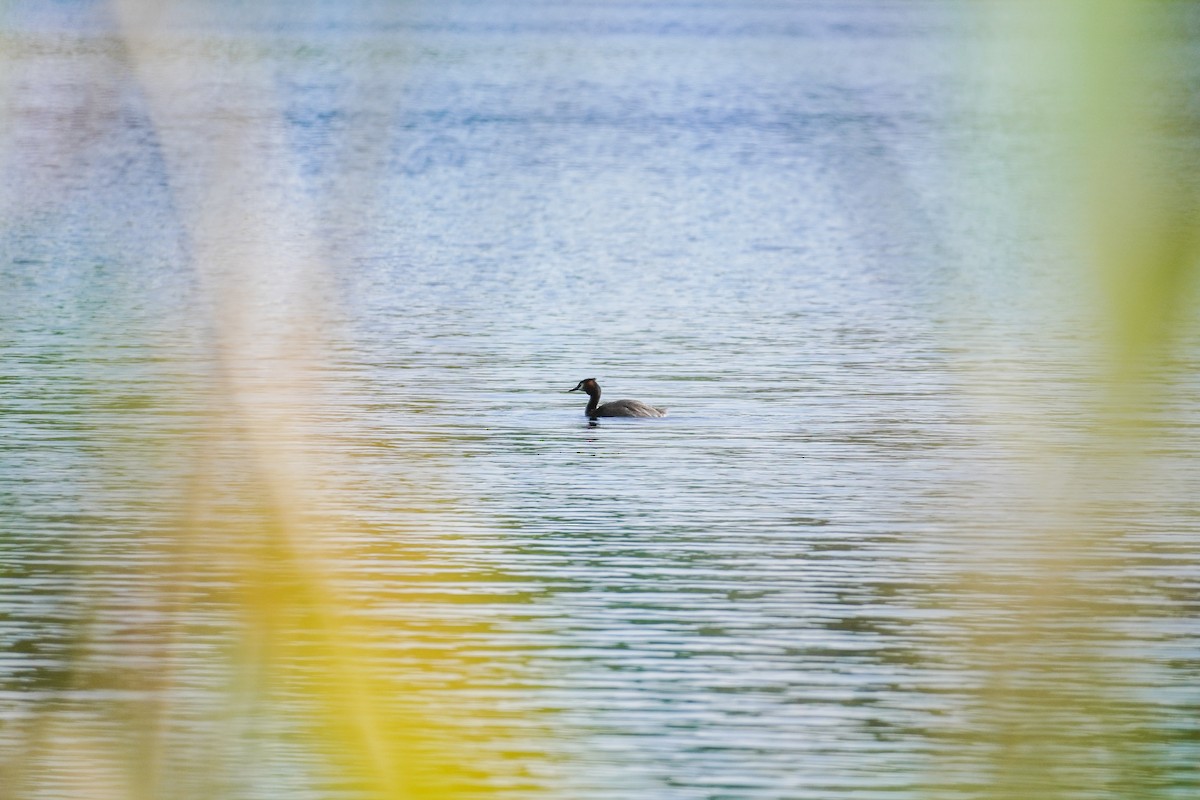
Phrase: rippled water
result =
(805, 581)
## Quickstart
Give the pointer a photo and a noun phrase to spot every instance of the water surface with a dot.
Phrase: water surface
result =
(807, 581)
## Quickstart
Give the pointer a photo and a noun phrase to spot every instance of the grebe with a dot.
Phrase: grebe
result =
(616, 408)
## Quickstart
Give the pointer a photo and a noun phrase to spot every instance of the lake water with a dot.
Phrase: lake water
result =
(876, 549)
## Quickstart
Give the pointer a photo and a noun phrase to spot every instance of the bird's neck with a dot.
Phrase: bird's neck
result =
(593, 400)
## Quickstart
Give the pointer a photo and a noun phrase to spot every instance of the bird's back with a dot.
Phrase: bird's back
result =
(628, 408)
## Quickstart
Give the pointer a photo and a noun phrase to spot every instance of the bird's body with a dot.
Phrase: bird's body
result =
(614, 408)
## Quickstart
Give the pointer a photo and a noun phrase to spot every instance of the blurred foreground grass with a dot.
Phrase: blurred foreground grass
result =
(1050, 592)
(238, 650)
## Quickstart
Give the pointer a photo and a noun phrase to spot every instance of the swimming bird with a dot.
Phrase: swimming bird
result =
(616, 408)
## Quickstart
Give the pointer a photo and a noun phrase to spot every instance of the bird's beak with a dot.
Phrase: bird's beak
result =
(576, 389)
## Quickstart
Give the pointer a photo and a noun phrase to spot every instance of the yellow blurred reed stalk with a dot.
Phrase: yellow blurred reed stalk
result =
(256, 254)
(1047, 591)
(248, 551)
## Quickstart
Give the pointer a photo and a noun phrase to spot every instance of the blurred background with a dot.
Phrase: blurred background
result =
(292, 503)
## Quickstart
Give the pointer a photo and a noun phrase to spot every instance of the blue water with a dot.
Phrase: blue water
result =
(793, 224)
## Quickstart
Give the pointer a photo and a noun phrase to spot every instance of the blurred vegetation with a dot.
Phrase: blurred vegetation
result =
(1060, 705)
(237, 646)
